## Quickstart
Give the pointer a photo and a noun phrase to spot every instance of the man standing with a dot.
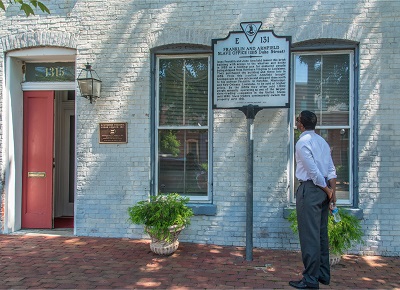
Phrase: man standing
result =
(317, 175)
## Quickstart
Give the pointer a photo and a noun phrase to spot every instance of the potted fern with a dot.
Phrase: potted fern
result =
(163, 217)
(342, 235)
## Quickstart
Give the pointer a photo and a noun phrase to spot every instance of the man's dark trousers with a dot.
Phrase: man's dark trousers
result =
(312, 206)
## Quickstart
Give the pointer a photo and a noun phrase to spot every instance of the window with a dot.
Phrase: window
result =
(182, 125)
(324, 83)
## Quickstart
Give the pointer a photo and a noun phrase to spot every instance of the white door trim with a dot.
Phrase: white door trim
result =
(48, 86)
(12, 91)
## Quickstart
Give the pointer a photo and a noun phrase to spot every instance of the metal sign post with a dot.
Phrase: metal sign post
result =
(250, 112)
(249, 192)
(251, 72)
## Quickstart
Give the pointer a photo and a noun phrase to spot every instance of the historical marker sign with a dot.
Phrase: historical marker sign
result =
(113, 133)
(251, 67)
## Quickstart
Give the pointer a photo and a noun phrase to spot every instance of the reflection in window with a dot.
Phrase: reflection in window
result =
(322, 85)
(183, 92)
(183, 169)
(183, 101)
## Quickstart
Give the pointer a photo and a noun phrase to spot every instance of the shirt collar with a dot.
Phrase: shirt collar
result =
(307, 132)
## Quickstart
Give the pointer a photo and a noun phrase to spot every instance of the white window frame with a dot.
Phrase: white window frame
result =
(193, 198)
(350, 127)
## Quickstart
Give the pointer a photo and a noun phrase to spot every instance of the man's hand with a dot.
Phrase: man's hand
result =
(333, 198)
(329, 192)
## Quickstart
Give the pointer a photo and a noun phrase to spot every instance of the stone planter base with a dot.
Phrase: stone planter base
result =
(161, 247)
(334, 259)
(164, 248)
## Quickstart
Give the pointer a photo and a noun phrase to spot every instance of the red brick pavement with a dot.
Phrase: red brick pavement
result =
(66, 262)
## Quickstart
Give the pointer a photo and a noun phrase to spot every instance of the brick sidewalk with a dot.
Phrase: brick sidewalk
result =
(65, 262)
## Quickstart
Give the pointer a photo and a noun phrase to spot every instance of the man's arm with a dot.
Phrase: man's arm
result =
(332, 184)
(332, 180)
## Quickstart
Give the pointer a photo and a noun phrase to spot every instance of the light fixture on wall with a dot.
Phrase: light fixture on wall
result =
(89, 83)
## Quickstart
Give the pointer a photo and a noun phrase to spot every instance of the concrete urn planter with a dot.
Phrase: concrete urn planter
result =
(161, 247)
(334, 259)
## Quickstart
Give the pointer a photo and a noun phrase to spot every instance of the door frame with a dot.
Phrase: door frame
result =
(63, 111)
(12, 109)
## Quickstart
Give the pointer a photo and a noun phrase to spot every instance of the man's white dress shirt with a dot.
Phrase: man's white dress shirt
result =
(313, 159)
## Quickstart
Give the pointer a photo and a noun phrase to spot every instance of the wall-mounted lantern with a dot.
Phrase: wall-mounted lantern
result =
(89, 83)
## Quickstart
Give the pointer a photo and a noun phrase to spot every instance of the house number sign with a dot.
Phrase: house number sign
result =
(113, 133)
(50, 72)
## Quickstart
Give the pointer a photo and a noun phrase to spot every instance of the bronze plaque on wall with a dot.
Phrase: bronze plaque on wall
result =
(113, 133)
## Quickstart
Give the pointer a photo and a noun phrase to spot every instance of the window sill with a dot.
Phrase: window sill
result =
(357, 212)
(203, 209)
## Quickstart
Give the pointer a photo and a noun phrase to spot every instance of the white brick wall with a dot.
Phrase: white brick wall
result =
(116, 37)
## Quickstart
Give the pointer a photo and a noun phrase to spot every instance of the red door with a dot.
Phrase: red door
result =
(37, 178)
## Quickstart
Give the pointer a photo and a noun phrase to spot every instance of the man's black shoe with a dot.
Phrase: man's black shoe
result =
(323, 282)
(302, 285)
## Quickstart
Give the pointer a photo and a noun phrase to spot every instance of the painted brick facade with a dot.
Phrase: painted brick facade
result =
(116, 37)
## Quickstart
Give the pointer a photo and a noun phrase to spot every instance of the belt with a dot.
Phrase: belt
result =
(301, 181)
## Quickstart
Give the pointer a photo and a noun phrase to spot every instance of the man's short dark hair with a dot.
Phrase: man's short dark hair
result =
(308, 119)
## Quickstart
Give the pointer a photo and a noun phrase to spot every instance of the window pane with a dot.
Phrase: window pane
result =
(322, 85)
(171, 91)
(183, 91)
(307, 82)
(335, 90)
(196, 91)
(338, 140)
(183, 161)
